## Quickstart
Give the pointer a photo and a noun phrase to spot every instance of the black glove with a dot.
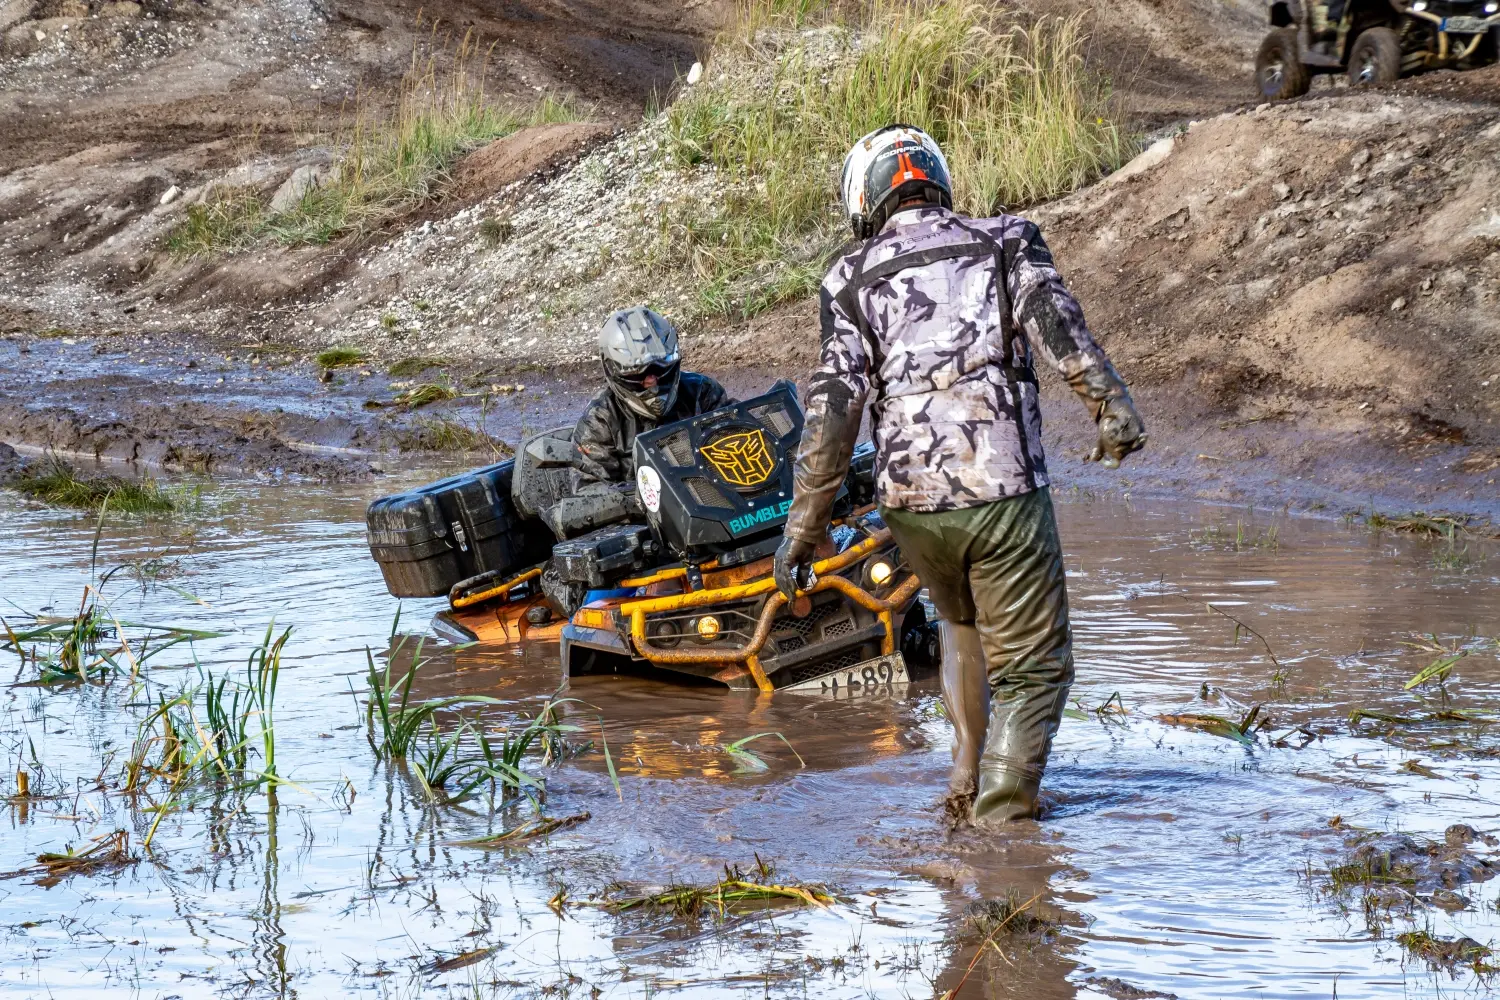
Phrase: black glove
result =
(1120, 432)
(793, 566)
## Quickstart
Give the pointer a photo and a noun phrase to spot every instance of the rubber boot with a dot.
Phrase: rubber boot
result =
(966, 700)
(1016, 745)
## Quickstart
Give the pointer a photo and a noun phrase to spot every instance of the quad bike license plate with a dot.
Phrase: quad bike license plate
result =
(870, 677)
(1465, 25)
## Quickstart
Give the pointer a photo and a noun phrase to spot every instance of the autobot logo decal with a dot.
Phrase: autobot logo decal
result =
(743, 458)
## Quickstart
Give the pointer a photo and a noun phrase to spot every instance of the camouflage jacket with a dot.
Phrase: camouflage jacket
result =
(916, 315)
(604, 440)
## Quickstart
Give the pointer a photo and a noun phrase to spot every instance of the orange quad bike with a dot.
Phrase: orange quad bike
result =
(672, 578)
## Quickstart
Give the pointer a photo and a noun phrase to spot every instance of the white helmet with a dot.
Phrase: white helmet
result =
(889, 166)
(641, 363)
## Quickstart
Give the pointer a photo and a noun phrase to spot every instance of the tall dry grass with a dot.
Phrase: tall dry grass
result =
(388, 159)
(1018, 114)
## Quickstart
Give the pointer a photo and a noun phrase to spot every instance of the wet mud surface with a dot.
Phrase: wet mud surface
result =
(260, 407)
(1186, 852)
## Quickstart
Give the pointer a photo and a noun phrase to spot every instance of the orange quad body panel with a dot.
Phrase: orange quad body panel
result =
(495, 624)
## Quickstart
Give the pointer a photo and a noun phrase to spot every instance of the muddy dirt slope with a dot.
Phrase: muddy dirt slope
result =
(1331, 264)
(119, 115)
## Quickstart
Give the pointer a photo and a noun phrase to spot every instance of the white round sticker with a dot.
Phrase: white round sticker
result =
(648, 483)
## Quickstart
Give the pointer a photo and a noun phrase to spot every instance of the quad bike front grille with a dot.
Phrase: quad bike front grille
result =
(803, 627)
(678, 449)
(844, 626)
(707, 493)
(747, 654)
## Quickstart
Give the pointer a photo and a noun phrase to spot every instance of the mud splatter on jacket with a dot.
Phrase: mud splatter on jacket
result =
(917, 315)
(604, 440)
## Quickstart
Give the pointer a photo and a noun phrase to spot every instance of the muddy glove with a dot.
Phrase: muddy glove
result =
(1105, 394)
(1120, 433)
(793, 566)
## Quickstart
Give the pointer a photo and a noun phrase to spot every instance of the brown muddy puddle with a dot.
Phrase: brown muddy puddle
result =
(1174, 861)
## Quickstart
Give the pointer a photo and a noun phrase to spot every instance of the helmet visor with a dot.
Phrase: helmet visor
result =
(649, 378)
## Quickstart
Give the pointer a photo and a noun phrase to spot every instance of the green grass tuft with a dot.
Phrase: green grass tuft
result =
(58, 484)
(426, 392)
(230, 219)
(1446, 953)
(341, 357)
(1018, 115)
(390, 161)
(445, 434)
(495, 231)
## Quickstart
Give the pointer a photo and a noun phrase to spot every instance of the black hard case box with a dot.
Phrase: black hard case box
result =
(430, 538)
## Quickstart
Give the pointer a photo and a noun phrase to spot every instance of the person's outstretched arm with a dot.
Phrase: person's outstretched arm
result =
(834, 404)
(1053, 323)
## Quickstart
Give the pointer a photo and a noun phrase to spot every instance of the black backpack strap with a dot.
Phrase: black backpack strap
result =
(848, 296)
(920, 258)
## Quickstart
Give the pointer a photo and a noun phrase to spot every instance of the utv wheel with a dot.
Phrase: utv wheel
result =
(1279, 72)
(1376, 58)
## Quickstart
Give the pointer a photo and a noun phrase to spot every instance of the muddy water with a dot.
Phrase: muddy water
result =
(1173, 860)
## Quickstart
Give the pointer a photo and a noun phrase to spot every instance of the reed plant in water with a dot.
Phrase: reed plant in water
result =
(177, 744)
(90, 646)
(452, 766)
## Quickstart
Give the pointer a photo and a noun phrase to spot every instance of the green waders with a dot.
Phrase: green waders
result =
(995, 574)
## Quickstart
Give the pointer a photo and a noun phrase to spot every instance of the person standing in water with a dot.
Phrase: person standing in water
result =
(938, 316)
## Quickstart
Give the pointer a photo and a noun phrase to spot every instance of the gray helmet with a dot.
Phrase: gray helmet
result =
(641, 363)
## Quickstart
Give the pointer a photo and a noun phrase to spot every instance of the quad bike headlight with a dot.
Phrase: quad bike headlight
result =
(708, 628)
(880, 572)
(665, 633)
(1419, 5)
(1491, 7)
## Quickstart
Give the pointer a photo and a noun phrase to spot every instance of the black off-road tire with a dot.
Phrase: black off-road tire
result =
(1375, 58)
(1280, 74)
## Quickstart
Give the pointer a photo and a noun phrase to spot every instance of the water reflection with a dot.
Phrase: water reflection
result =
(1173, 860)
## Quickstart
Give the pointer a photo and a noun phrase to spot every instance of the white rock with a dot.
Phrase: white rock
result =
(695, 74)
(292, 190)
(1398, 305)
(1154, 154)
(171, 194)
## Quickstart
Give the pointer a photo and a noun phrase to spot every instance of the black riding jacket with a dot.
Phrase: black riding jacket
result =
(604, 440)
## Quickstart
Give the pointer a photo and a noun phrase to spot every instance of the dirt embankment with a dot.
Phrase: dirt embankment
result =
(120, 115)
(1321, 278)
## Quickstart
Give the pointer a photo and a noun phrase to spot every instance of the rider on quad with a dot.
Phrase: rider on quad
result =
(646, 388)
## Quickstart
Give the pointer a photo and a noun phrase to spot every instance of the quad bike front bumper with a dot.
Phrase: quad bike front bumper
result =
(866, 603)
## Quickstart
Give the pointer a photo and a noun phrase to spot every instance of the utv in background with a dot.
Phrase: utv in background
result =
(1374, 41)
